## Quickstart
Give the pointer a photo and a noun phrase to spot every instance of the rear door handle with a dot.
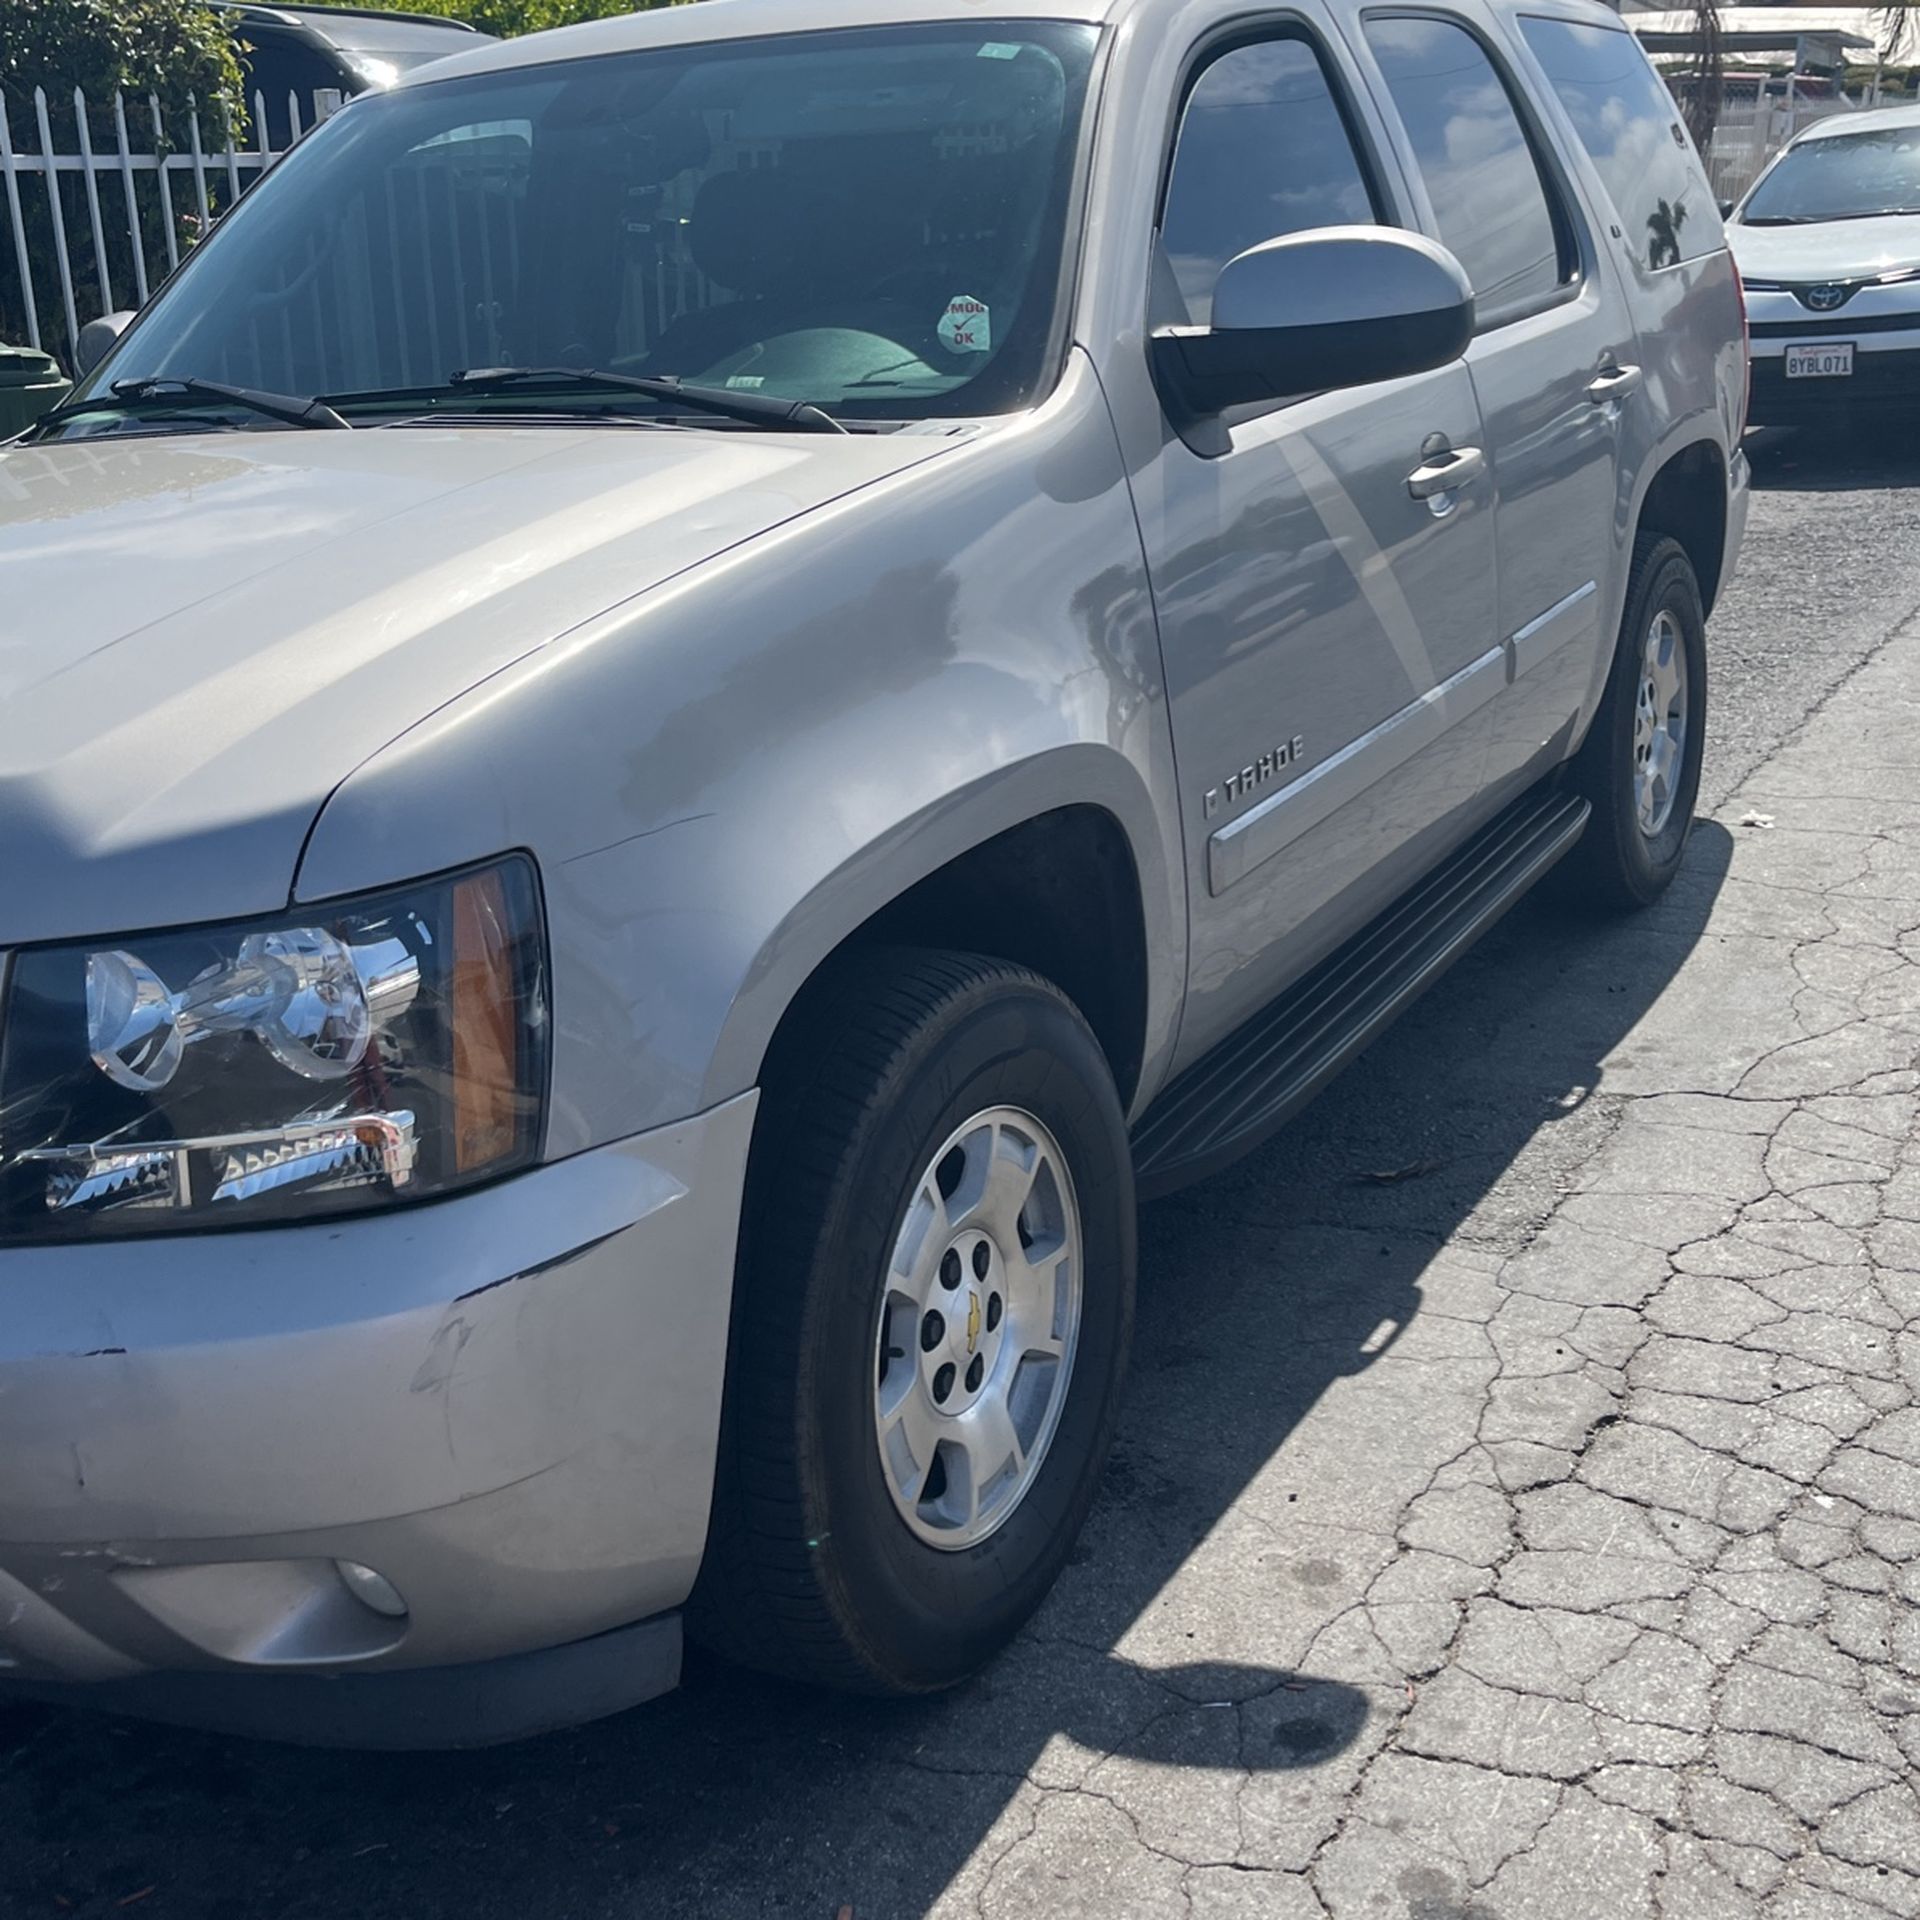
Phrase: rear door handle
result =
(1460, 467)
(1613, 383)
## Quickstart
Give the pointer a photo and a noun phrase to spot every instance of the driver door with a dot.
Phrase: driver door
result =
(1328, 620)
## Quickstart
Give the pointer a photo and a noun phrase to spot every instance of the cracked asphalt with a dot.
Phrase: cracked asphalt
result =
(1516, 1511)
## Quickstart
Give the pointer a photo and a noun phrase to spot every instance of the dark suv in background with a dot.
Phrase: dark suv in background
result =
(304, 50)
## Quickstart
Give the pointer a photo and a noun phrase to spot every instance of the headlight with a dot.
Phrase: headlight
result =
(339, 1057)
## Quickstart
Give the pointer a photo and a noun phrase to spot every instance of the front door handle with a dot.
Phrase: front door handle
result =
(1613, 383)
(1458, 467)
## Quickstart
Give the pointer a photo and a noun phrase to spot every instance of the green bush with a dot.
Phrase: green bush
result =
(177, 51)
(173, 48)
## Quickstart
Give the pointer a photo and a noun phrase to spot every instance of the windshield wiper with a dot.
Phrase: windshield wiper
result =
(162, 390)
(761, 409)
(1825, 219)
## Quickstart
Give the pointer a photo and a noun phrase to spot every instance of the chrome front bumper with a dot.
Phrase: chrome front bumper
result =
(506, 1405)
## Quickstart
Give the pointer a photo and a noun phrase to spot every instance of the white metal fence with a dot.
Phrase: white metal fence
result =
(102, 201)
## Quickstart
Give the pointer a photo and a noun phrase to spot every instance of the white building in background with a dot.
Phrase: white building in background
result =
(1781, 66)
(1813, 39)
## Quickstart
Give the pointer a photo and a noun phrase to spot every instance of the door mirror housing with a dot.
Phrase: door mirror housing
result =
(97, 338)
(1333, 307)
(1726, 209)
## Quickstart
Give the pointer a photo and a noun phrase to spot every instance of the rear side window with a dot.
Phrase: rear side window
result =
(1493, 208)
(1262, 151)
(1627, 121)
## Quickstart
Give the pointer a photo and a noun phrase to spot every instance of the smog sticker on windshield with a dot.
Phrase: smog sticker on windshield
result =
(966, 326)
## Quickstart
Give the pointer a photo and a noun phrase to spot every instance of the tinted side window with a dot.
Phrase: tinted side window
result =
(1262, 151)
(1487, 194)
(1627, 121)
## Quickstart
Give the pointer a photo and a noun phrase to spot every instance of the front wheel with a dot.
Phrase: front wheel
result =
(932, 1316)
(1640, 764)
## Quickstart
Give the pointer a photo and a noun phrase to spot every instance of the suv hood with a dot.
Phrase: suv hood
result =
(1827, 250)
(202, 635)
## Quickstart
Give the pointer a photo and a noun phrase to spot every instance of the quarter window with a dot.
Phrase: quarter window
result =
(1625, 118)
(1492, 207)
(1263, 151)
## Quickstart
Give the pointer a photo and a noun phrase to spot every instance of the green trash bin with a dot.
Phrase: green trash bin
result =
(30, 383)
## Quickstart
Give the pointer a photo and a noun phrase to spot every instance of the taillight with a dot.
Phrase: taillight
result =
(1746, 355)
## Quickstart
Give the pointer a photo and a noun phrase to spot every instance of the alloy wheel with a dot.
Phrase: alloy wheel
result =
(1659, 724)
(978, 1325)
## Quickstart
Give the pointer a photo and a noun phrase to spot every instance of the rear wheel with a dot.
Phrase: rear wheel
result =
(932, 1315)
(1640, 764)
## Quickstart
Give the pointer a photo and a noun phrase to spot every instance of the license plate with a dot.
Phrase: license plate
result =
(1831, 360)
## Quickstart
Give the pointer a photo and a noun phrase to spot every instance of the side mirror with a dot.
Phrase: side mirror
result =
(1726, 209)
(1334, 307)
(96, 338)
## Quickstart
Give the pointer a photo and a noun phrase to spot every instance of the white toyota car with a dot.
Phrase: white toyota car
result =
(1828, 244)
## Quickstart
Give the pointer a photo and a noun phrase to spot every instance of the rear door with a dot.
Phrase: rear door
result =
(1555, 360)
(1328, 616)
(1658, 230)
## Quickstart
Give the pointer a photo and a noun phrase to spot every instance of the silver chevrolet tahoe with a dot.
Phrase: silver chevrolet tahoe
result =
(915, 618)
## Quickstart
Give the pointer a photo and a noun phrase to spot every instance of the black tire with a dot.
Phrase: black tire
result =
(1617, 868)
(810, 1570)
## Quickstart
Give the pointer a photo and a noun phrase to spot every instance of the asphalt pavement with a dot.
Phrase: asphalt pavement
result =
(1517, 1507)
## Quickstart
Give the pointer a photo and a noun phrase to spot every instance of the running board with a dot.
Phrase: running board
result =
(1257, 1079)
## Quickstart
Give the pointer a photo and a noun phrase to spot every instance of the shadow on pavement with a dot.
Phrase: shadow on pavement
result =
(1853, 455)
(1261, 1292)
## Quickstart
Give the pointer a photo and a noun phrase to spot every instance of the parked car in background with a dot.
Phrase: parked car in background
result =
(1828, 243)
(302, 50)
(702, 688)
(30, 383)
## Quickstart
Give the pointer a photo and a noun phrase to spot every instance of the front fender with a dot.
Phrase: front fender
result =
(880, 871)
(723, 779)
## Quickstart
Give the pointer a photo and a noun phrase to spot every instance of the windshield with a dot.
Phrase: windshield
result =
(1849, 176)
(871, 221)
